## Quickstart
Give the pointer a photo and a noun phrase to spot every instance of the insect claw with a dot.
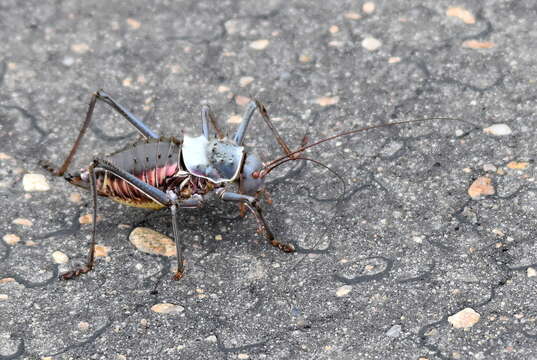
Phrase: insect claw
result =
(75, 273)
(177, 276)
(242, 210)
(288, 248)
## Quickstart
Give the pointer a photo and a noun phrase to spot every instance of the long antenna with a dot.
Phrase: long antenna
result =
(274, 163)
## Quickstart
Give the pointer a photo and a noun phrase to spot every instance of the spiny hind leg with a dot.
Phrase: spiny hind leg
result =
(143, 129)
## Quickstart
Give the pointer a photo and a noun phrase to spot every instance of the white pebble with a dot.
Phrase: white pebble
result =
(464, 319)
(68, 61)
(259, 44)
(59, 257)
(489, 168)
(371, 44)
(343, 290)
(245, 81)
(211, 339)
(167, 308)
(368, 7)
(498, 130)
(532, 272)
(35, 182)
(394, 331)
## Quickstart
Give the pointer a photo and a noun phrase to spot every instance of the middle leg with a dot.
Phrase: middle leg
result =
(262, 226)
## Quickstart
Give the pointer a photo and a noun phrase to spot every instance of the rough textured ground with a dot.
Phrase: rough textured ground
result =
(379, 268)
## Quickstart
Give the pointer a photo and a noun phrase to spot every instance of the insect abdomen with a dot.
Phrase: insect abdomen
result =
(153, 162)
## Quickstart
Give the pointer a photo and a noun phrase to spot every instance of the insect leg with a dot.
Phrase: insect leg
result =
(279, 139)
(142, 128)
(150, 191)
(99, 95)
(91, 256)
(190, 203)
(206, 111)
(205, 120)
(241, 131)
(262, 226)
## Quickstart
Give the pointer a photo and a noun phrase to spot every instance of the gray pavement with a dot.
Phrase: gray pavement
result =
(380, 267)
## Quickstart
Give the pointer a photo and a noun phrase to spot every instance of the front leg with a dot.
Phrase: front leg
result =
(251, 203)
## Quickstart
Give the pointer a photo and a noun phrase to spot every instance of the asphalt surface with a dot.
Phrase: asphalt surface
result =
(381, 265)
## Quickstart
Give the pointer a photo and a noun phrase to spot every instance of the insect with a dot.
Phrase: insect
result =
(164, 172)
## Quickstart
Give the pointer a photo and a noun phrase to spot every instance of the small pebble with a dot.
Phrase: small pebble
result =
(134, 24)
(68, 61)
(218, 237)
(127, 82)
(333, 29)
(83, 325)
(336, 43)
(368, 7)
(464, 319)
(11, 239)
(531, 272)
(234, 119)
(232, 26)
(223, 89)
(211, 339)
(167, 308)
(327, 100)
(245, 81)
(351, 15)
(59, 257)
(394, 331)
(304, 58)
(80, 48)
(152, 242)
(475, 44)
(482, 186)
(4, 156)
(517, 165)
(174, 68)
(35, 182)
(462, 14)
(241, 100)
(4, 297)
(459, 133)
(243, 356)
(75, 198)
(88, 219)
(23, 222)
(343, 290)
(371, 44)
(489, 168)
(498, 130)
(394, 60)
(498, 232)
(144, 322)
(101, 251)
(259, 44)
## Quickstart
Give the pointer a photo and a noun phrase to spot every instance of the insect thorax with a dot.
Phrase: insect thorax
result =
(217, 160)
